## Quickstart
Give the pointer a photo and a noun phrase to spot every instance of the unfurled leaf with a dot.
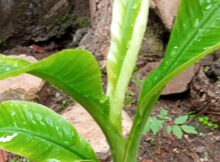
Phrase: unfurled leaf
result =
(195, 34)
(189, 129)
(35, 132)
(177, 131)
(73, 71)
(181, 119)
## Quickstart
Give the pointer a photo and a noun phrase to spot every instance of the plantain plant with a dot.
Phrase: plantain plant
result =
(41, 135)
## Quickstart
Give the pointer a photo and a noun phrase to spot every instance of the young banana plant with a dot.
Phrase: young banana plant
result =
(39, 134)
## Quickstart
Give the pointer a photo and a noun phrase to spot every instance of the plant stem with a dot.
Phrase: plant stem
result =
(112, 133)
(114, 137)
(117, 145)
(133, 142)
(134, 139)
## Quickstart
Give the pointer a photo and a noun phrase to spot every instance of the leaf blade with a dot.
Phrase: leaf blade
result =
(169, 129)
(189, 129)
(155, 125)
(177, 131)
(181, 119)
(74, 71)
(187, 45)
(26, 129)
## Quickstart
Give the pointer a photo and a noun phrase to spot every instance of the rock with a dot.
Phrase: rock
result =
(179, 85)
(167, 10)
(22, 87)
(147, 69)
(92, 9)
(153, 44)
(87, 127)
(216, 69)
(3, 156)
(97, 39)
(200, 149)
(41, 20)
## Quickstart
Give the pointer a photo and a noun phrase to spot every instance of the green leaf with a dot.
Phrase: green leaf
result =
(74, 71)
(147, 126)
(155, 125)
(35, 132)
(181, 119)
(169, 129)
(163, 114)
(189, 129)
(195, 34)
(127, 31)
(177, 131)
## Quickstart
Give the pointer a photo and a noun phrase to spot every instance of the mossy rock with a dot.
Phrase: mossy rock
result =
(38, 20)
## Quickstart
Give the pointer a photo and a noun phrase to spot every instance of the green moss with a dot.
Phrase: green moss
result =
(64, 18)
(83, 22)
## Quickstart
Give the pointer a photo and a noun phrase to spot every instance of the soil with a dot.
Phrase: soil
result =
(192, 148)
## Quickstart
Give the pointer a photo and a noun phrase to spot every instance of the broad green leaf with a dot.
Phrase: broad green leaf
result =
(177, 131)
(74, 71)
(155, 125)
(169, 129)
(147, 127)
(127, 31)
(181, 119)
(189, 129)
(196, 33)
(36, 132)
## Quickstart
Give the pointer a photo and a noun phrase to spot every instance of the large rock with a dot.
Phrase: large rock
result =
(153, 44)
(167, 10)
(97, 40)
(181, 83)
(178, 85)
(23, 87)
(87, 127)
(23, 21)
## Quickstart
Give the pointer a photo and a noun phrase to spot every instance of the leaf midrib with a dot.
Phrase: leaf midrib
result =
(45, 138)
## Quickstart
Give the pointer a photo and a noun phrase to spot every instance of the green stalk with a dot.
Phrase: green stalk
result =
(134, 139)
(114, 136)
(117, 146)
(116, 141)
